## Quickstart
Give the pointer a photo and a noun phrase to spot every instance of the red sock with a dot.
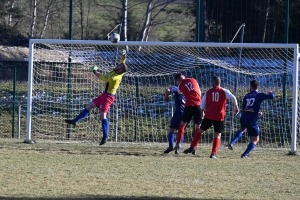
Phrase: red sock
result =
(196, 139)
(180, 133)
(216, 145)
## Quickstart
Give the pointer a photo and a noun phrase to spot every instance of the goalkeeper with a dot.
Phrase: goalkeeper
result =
(249, 118)
(105, 100)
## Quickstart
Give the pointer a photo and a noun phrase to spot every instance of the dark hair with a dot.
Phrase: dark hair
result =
(177, 76)
(216, 80)
(254, 84)
(125, 67)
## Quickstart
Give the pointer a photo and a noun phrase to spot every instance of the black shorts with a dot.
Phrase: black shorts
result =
(218, 125)
(192, 111)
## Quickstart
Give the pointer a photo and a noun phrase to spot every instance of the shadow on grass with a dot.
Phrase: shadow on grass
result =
(90, 197)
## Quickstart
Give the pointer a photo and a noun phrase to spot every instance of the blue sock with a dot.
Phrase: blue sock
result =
(84, 113)
(171, 137)
(250, 147)
(105, 127)
(237, 136)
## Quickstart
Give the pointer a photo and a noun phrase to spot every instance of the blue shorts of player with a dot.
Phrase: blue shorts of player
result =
(176, 119)
(252, 128)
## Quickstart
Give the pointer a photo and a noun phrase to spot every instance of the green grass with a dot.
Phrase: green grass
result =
(136, 171)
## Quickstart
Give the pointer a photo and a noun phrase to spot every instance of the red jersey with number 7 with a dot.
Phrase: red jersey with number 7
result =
(190, 89)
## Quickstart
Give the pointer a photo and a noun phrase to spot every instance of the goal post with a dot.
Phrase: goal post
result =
(139, 113)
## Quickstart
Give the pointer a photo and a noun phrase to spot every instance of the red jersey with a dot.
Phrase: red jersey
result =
(214, 103)
(191, 91)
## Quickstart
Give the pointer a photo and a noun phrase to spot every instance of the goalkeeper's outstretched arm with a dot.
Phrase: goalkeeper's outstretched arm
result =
(123, 57)
(98, 74)
(103, 76)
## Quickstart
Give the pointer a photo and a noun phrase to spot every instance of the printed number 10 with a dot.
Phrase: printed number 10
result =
(215, 96)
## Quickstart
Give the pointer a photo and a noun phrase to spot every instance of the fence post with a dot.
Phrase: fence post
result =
(14, 99)
(19, 119)
(71, 13)
(284, 89)
(136, 108)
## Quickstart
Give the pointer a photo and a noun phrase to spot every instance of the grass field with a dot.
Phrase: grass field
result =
(141, 171)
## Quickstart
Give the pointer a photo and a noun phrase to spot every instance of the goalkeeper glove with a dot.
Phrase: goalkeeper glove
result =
(123, 51)
(94, 69)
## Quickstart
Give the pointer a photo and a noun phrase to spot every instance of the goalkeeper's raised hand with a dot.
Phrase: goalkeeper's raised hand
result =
(123, 51)
(123, 57)
(94, 69)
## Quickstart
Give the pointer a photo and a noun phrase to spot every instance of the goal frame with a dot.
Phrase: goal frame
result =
(182, 44)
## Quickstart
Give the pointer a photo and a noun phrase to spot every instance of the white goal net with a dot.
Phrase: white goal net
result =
(60, 85)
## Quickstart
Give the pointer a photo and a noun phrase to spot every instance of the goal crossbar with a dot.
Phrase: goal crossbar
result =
(179, 44)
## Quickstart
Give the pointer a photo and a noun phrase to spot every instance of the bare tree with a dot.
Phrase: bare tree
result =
(147, 21)
(49, 5)
(123, 10)
(81, 13)
(124, 20)
(154, 8)
(87, 28)
(10, 15)
(266, 21)
(32, 27)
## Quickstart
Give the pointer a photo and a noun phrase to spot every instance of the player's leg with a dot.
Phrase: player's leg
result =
(237, 136)
(253, 132)
(186, 117)
(84, 113)
(206, 124)
(171, 138)
(196, 139)
(105, 124)
(197, 121)
(105, 103)
(218, 129)
(174, 124)
(180, 134)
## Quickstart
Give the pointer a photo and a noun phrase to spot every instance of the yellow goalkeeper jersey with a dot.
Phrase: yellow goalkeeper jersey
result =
(112, 79)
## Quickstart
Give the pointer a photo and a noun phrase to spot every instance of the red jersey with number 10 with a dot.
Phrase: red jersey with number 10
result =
(214, 103)
(190, 89)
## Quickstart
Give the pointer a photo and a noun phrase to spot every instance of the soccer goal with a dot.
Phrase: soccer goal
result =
(60, 85)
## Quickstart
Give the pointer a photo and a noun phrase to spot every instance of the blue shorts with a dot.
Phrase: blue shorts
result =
(252, 129)
(176, 119)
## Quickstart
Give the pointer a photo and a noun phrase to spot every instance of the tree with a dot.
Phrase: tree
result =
(48, 7)
(147, 22)
(124, 20)
(266, 21)
(32, 27)
(154, 8)
(122, 13)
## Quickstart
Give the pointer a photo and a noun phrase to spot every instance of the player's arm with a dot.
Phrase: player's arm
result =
(99, 75)
(203, 105)
(230, 96)
(166, 94)
(199, 89)
(123, 57)
(170, 90)
(270, 95)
